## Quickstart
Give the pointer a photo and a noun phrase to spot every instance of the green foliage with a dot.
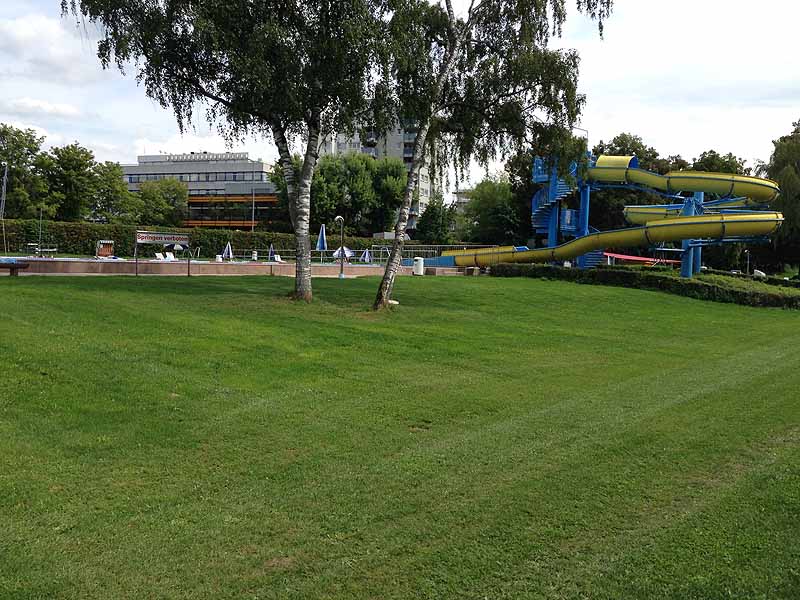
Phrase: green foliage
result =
(112, 202)
(65, 183)
(784, 167)
(436, 224)
(163, 202)
(255, 65)
(487, 83)
(365, 191)
(72, 180)
(80, 238)
(518, 170)
(389, 180)
(714, 288)
(27, 188)
(491, 214)
(714, 162)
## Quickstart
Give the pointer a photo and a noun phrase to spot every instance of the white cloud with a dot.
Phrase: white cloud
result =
(32, 106)
(38, 47)
(50, 139)
(687, 76)
(692, 75)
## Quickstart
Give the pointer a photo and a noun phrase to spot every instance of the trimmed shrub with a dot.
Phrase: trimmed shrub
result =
(80, 238)
(692, 288)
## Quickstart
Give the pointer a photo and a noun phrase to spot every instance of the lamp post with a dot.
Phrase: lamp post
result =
(747, 254)
(3, 205)
(340, 220)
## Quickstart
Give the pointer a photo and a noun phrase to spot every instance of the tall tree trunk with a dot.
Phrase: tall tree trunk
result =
(396, 254)
(302, 270)
(298, 188)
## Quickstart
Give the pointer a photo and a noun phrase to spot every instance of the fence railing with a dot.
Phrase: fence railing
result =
(379, 252)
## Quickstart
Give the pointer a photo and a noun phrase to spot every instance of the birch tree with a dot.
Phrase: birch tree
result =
(482, 84)
(287, 69)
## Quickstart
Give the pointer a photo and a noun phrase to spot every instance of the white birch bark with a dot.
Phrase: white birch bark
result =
(396, 255)
(298, 189)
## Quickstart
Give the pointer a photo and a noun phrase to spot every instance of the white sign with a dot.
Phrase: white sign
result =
(155, 237)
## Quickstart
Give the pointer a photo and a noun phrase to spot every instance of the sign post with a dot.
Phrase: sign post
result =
(163, 238)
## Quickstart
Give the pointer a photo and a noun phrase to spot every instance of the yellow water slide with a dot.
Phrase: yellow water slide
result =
(744, 191)
(664, 230)
(659, 223)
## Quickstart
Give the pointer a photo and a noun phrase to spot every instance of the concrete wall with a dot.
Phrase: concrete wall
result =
(128, 267)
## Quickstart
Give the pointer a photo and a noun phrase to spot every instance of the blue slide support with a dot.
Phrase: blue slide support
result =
(583, 219)
(699, 197)
(692, 252)
(687, 260)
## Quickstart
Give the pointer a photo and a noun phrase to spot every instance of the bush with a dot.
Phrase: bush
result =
(80, 238)
(711, 288)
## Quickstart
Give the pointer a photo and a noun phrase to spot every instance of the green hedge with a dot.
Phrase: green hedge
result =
(80, 238)
(771, 280)
(692, 288)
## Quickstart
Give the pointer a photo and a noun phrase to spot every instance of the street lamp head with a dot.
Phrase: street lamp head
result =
(4, 164)
(339, 219)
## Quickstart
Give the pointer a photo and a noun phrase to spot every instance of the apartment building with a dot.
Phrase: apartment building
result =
(397, 143)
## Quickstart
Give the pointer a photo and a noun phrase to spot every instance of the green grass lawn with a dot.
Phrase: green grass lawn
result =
(490, 438)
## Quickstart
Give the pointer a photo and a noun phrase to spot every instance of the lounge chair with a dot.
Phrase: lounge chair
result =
(159, 256)
(170, 256)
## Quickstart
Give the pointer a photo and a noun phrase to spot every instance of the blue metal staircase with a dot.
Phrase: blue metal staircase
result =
(548, 200)
(591, 259)
(545, 202)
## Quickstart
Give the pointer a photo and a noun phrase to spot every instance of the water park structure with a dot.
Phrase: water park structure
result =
(738, 212)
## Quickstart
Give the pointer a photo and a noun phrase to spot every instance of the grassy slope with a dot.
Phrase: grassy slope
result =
(205, 438)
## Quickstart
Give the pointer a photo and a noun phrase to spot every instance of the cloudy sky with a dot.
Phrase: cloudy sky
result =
(685, 75)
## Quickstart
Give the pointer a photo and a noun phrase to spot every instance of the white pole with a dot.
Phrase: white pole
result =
(253, 213)
(39, 249)
(3, 206)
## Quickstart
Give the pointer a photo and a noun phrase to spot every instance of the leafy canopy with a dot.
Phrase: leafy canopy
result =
(364, 190)
(254, 63)
(490, 213)
(26, 189)
(784, 167)
(163, 202)
(436, 224)
(486, 82)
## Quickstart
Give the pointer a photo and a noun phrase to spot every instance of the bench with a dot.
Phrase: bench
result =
(14, 267)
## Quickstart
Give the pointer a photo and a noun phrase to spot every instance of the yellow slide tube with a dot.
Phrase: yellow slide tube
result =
(665, 230)
(618, 169)
(641, 214)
